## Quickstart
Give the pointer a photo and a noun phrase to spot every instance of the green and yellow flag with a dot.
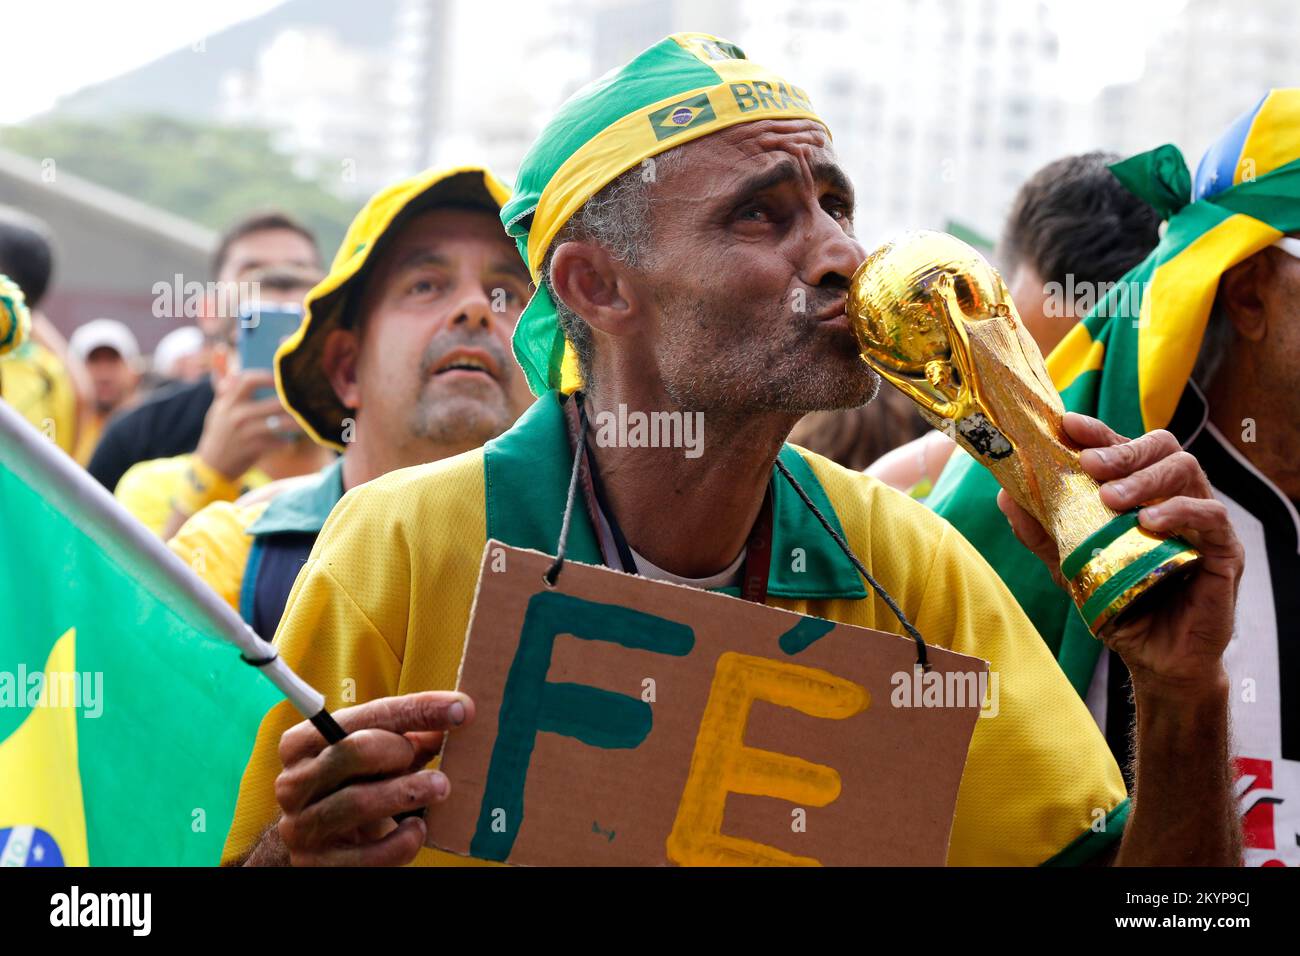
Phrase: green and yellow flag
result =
(126, 717)
(1130, 358)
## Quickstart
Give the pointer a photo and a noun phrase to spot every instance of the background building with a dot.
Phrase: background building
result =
(349, 90)
(1204, 68)
(940, 108)
(109, 250)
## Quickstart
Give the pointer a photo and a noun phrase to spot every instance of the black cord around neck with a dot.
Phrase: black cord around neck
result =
(553, 572)
(921, 658)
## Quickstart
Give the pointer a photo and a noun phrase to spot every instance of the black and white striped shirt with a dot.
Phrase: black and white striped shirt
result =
(1263, 659)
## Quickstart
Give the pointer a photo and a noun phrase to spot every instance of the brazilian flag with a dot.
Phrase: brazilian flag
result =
(1130, 358)
(125, 719)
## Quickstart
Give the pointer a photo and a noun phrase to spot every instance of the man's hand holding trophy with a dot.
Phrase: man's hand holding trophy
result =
(936, 321)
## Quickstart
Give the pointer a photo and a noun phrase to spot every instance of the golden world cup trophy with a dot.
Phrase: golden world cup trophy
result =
(935, 320)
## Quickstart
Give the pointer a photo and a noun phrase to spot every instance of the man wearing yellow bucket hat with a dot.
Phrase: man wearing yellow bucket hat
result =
(401, 359)
(711, 280)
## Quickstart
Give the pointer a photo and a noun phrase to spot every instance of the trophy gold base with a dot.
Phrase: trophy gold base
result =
(1120, 563)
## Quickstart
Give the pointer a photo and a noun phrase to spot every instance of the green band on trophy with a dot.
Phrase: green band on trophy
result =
(1128, 577)
(1095, 542)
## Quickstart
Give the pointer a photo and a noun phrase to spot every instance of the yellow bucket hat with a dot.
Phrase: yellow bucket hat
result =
(299, 375)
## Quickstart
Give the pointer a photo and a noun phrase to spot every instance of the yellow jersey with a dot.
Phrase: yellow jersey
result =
(34, 381)
(219, 540)
(148, 488)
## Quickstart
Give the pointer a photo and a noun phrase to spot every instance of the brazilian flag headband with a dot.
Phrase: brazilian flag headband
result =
(686, 86)
(1129, 360)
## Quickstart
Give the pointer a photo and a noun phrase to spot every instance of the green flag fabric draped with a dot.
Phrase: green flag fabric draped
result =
(126, 717)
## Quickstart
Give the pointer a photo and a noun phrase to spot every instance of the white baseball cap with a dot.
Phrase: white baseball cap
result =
(174, 346)
(104, 333)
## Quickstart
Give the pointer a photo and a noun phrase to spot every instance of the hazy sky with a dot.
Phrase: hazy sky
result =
(67, 44)
(53, 47)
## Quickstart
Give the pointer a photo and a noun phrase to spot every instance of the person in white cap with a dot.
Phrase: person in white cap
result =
(111, 356)
(180, 355)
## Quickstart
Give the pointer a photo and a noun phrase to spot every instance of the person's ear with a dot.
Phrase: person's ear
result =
(340, 359)
(1240, 292)
(595, 286)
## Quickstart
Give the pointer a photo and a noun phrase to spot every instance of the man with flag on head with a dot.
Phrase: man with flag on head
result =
(402, 358)
(691, 236)
(1200, 339)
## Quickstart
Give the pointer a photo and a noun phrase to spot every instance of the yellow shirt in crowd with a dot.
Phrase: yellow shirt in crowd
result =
(217, 540)
(148, 488)
(34, 381)
(92, 426)
(215, 543)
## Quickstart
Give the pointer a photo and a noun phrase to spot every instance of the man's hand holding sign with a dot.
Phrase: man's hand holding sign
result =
(339, 800)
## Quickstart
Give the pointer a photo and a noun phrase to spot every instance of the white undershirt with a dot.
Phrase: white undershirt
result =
(728, 576)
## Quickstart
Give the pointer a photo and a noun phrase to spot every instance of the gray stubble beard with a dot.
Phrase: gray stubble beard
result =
(458, 419)
(768, 382)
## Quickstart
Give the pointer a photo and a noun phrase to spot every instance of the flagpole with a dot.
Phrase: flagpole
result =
(25, 451)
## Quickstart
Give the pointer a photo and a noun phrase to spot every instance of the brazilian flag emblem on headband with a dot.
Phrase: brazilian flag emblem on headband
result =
(682, 116)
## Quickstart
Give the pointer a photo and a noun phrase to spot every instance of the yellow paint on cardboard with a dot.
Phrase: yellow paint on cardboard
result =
(722, 764)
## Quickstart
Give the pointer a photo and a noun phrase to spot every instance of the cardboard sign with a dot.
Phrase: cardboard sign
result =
(622, 721)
